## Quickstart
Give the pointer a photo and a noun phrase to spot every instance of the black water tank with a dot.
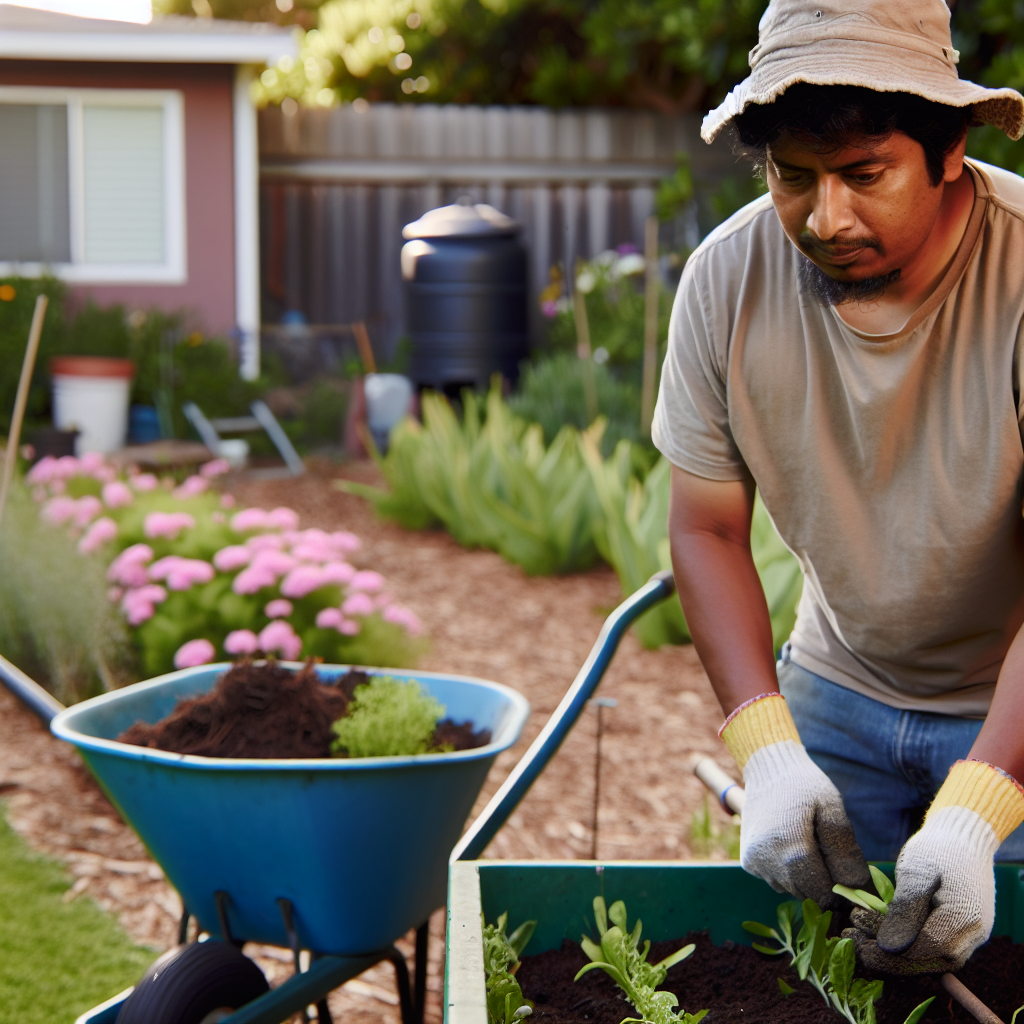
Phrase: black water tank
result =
(465, 296)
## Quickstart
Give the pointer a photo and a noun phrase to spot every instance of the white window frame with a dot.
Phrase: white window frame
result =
(173, 270)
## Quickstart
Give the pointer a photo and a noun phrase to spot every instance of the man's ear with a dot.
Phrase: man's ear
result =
(953, 164)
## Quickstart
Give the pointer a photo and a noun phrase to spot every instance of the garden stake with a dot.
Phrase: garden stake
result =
(362, 337)
(712, 776)
(650, 325)
(27, 366)
(600, 703)
(583, 351)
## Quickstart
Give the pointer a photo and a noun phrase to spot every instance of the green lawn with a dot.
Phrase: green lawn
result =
(56, 959)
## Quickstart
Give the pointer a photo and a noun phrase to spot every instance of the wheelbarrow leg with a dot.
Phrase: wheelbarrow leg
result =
(404, 989)
(420, 977)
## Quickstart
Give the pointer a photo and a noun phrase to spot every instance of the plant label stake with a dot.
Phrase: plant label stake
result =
(27, 366)
(600, 703)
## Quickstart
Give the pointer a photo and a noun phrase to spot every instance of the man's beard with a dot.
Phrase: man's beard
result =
(830, 292)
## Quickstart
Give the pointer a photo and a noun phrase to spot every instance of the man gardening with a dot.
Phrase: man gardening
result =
(850, 345)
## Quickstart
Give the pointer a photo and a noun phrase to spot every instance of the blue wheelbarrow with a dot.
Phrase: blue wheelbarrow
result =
(336, 857)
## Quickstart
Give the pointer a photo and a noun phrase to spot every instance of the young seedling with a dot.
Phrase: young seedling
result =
(618, 954)
(505, 1001)
(868, 900)
(828, 964)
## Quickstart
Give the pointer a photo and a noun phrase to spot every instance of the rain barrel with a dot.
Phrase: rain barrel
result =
(464, 270)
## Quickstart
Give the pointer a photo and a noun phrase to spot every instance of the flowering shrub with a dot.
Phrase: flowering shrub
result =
(198, 581)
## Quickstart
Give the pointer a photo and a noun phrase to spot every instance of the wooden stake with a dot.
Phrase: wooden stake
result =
(969, 1001)
(583, 352)
(650, 325)
(362, 336)
(27, 366)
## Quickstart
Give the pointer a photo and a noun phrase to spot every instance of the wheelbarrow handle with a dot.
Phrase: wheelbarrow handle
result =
(544, 747)
(29, 692)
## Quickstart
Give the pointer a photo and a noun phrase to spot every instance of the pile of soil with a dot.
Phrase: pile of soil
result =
(268, 711)
(740, 986)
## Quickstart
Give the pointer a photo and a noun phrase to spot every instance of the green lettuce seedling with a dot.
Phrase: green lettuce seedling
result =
(868, 900)
(505, 1001)
(388, 718)
(620, 957)
(827, 963)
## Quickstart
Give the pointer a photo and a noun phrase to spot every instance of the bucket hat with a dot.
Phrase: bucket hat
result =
(885, 45)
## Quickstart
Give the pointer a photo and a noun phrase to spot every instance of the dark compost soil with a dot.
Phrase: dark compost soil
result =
(740, 986)
(268, 711)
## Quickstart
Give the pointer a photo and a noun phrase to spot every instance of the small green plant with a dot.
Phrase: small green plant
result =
(388, 718)
(618, 954)
(868, 900)
(505, 1001)
(707, 838)
(827, 963)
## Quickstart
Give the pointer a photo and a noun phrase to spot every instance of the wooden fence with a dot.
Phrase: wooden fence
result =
(338, 185)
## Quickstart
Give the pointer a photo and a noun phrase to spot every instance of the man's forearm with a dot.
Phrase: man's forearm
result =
(721, 592)
(1001, 740)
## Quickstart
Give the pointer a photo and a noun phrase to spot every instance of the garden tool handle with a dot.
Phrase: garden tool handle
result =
(732, 797)
(504, 802)
(29, 692)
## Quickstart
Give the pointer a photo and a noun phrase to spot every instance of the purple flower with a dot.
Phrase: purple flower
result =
(167, 524)
(232, 557)
(549, 307)
(215, 467)
(626, 248)
(358, 604)
(367, 580)
(117, 494)
(102, 531)
(302, 580)
(279, 608)
(241, 641)
(279, 636)
(193, 653)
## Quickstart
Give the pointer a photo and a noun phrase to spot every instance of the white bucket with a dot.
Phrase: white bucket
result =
(90, 395)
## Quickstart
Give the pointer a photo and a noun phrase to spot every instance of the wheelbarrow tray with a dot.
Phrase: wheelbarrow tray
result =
(672, 898)
(358, 846)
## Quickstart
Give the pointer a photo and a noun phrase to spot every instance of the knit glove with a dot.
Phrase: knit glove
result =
(945, 897)
(794, 832)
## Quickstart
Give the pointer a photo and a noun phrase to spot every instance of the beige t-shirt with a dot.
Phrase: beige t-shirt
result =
(890, 464)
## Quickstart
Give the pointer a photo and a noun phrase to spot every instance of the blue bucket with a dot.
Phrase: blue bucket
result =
(360, 847)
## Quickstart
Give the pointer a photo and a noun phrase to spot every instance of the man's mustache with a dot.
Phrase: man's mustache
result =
(814, 246)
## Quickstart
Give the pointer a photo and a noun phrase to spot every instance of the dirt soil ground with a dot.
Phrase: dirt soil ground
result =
(485, 618)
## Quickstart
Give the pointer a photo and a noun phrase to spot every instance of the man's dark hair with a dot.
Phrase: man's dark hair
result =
(827, 118)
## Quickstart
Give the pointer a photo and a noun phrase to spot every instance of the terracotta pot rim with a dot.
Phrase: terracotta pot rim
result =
(91, 366)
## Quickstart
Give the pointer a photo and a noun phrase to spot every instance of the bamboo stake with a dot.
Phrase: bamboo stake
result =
(650, 325)
(365, 349)
(969, 1001)
(20, 401)
(583, 352)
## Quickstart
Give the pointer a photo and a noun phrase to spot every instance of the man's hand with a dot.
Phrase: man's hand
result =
(794, 833)
(945, 897)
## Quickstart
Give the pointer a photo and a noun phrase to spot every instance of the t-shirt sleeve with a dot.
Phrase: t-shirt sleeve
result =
(691, 418)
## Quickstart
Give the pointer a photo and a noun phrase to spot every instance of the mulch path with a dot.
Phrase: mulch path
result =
(484, 618)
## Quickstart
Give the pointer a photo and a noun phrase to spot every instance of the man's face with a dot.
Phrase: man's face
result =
(859, 213)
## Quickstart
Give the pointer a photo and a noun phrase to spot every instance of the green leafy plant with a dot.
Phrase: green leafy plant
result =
(505, 1001)
(826, 963)
(708, 838)
(619, 955)
(868, 900)
(388, 718)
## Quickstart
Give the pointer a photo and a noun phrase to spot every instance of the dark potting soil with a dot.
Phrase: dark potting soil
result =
(268, 711)
(740, 986)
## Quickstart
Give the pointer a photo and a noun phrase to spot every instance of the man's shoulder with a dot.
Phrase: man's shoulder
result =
(754, 225)
(1004, 189)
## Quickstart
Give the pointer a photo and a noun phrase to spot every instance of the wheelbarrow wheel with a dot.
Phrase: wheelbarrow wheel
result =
(194, 984)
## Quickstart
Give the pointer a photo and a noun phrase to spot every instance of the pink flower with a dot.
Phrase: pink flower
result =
(144, 482)
(128, 568)
(117, 494)
(39, 494)
(367, 580)
(218, 518)
(253, 579)
(215, 467)
(279, 608)
(232, 557)
(279, 636)
(167, 524)
(309, 551)
(67, 467)
(193, 653)
(349, 627)
(302, 581)
(329, 618)
(43, 471)
(181, 573)
(227, 501)
(59, 510)
(241, 641)
(58, 487)
(90, 463)
(358, 604)
(345, 542)
(102, 531)
(265, 542)
(400, 616)
(114, 594)
(337, 572)
(249, 519)
(87, 508)
(276, 562)
(139, 605)
(191, 487)
(283, 519)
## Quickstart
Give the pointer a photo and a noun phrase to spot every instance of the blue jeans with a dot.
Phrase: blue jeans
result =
(887, 763)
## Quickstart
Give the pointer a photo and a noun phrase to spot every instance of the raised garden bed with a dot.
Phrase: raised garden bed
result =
(681, 903)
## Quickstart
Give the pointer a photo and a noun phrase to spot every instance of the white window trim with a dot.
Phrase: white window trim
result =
(174, 268)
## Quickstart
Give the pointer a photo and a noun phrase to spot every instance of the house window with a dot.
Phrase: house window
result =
(92, 184)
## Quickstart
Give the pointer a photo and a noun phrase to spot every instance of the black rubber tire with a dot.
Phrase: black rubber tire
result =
(188, 982)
